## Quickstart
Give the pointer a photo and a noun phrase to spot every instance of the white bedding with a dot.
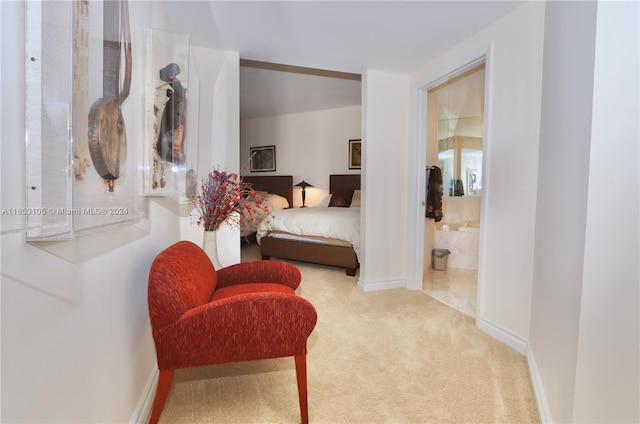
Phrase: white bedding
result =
(333, 223)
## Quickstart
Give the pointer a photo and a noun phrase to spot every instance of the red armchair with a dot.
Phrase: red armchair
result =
(243, 312)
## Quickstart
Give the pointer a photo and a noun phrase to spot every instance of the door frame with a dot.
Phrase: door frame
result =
(419, 149)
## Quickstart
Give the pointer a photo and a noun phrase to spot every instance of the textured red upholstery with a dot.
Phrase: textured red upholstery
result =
(243, 312)
(180, 279)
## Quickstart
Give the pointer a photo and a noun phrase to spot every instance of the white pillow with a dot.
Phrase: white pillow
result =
(355, 199)
(325, 202)
(276, 202)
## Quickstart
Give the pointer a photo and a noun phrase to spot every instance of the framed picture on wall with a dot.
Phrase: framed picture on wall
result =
(472, 182)
(263, 158)
(355, 157)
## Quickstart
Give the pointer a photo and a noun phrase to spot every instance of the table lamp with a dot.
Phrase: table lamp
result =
(304, 185)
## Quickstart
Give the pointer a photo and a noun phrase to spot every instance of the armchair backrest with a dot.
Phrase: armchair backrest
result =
(181, 278)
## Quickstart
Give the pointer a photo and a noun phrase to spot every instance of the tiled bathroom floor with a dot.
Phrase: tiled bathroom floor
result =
(454, 287)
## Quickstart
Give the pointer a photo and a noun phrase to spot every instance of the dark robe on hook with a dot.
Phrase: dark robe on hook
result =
(434, 194)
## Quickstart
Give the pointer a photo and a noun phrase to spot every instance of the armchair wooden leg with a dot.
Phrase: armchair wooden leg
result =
(164, 383)
(301, 374)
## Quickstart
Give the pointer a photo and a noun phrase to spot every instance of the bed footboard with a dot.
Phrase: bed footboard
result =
(323, 254)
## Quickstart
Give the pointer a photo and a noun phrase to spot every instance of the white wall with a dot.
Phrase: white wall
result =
(513, 46)
(385, 161)
(76, 342)
(585, 323)
(562, 197)
(608, 360)
(76, 345)
(310, 146)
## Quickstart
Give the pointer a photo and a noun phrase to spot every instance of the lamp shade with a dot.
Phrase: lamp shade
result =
(303, 184)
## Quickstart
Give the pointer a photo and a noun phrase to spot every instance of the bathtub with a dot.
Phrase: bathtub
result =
(473, 227)
(462, 239)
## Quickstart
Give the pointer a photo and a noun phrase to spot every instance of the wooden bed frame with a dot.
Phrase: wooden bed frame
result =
(340, 256)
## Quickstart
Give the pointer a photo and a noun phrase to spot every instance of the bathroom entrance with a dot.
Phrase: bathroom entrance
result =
(455, 144)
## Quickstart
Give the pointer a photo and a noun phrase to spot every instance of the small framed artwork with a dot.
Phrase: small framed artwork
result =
(472, 182)
(263, 158)
(355, 156)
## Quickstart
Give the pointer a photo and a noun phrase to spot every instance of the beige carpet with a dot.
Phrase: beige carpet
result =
(394, 356)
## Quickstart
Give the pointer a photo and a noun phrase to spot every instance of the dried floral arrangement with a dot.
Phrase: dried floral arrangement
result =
(227, 198)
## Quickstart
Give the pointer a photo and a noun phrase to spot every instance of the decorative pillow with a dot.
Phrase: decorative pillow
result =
(276, 202)
(325, 202)
(341, 198)
(355, 199)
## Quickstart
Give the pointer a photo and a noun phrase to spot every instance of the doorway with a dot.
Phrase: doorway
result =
(454, 138)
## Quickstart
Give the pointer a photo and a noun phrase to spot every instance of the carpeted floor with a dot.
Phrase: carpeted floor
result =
(395, 356)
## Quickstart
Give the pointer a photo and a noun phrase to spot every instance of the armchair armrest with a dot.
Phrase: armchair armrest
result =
(259, 272)
(238, 328)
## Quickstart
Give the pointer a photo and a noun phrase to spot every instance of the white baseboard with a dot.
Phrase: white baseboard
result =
(538, 389)
(368, 286)
(515, 342)
(522, 346)
(143, 408)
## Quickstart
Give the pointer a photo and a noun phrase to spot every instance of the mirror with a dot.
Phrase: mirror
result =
(460, 132)
(460, 156)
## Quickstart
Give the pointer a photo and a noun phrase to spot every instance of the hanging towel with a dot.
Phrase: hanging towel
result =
(434, 194)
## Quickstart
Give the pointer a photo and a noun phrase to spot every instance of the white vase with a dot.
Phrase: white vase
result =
(210, 246)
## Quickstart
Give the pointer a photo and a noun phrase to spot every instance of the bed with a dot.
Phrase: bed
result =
(333, 251)
(279, 192)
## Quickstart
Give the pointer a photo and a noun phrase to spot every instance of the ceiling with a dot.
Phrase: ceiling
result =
(265, 92)
(345, 36)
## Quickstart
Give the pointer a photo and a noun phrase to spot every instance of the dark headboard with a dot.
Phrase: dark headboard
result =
(344, 182)
(281, 185)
